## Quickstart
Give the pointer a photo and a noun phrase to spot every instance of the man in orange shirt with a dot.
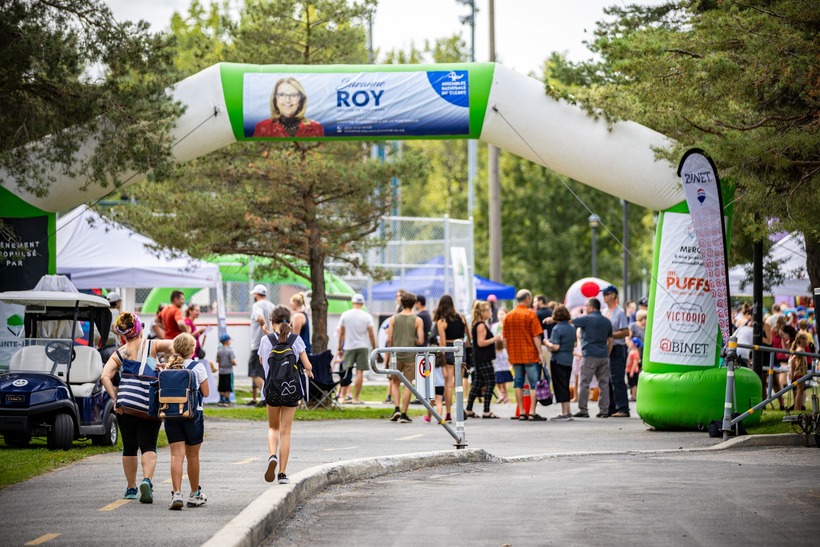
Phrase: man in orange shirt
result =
(172, 319)
(523, 331)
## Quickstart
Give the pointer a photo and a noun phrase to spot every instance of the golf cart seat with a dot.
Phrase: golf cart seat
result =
(31, 359)
(86, 370)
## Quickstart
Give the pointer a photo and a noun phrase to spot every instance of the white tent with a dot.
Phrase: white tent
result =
(792, 251)
(96, 252)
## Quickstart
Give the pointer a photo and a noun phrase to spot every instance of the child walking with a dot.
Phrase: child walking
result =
(185, 436)
(280, 418)
(226, 359)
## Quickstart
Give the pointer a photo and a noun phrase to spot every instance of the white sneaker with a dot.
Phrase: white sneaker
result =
(176, 501)
(197, 499)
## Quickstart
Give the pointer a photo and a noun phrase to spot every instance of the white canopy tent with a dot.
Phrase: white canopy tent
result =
(96, 252)
(792, 251)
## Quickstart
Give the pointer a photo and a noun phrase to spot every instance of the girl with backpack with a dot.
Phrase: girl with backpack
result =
(185, 436)
(139, 432)
(280, 414)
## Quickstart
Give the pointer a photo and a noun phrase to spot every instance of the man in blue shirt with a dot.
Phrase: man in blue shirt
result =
(618, 392)
(596, 343)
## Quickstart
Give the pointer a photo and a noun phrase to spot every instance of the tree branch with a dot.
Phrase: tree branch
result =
(699, 128)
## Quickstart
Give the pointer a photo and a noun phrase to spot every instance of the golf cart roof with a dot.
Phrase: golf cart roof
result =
(52, 299)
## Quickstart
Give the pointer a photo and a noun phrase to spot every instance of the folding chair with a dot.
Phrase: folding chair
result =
(322, 387)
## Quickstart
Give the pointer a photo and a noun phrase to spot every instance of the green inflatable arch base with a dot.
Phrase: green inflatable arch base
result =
(691, 399)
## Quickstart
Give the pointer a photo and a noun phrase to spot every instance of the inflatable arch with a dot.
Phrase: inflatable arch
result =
(682, 385)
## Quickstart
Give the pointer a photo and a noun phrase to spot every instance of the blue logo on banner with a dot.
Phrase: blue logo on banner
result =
(453, 86)
(701, 195)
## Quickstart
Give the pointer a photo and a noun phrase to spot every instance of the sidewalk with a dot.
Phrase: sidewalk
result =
(82, 502)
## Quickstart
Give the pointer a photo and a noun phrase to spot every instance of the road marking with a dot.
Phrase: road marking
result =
(343, 448)
(246, 460)
(112, 506)
(410, 437)
(169, 481)
(43, 539)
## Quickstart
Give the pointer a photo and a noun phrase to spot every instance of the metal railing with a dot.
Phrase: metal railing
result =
(731, 362)
(458, 350)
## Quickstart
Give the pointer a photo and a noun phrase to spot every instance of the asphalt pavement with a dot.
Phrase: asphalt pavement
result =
(82, 504)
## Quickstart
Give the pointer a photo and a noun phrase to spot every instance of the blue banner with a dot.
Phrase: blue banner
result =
(378, 104)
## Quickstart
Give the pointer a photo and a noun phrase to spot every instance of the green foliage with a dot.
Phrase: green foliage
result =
(70, 75)
(737, 79)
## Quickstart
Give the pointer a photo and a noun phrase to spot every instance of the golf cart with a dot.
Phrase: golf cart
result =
(52, 387)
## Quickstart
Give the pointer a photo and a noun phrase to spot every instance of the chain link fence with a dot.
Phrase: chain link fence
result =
(418, 256)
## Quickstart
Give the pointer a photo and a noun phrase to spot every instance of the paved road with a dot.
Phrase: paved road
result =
(82, 502)
(764, 496)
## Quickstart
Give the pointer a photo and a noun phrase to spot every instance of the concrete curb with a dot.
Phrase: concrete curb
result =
(256, 522)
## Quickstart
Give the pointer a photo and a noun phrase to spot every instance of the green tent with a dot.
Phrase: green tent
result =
(237, 268)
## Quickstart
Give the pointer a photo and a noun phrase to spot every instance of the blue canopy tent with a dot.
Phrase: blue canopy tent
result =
(428, 280)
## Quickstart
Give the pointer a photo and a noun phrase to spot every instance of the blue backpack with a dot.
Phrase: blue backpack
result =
(284, 385)
(178, 395)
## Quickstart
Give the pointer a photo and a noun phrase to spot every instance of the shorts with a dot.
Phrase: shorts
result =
(225, 383)
(191, 432)
(255, 369)
(526, 373)
(503, 376)
(358, 357)
(632, 379)
(138, 434)
(408, 369)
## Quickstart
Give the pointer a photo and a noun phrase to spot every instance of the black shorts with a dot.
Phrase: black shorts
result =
(138, 434)
(225, 383)
(191, 432)
(255, 369)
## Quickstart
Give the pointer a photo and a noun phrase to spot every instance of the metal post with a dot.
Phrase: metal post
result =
(493, 183)
(731, 357)
(627, 291)
(447, 246)
(461, 442)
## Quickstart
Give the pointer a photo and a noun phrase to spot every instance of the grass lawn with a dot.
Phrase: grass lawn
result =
(21, 464)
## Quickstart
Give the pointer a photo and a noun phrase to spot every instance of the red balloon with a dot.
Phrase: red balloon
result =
(590, 289)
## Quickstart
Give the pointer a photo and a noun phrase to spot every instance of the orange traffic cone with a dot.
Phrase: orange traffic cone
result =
(525, 400)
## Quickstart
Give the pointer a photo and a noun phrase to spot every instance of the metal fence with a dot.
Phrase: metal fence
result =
(417, 256)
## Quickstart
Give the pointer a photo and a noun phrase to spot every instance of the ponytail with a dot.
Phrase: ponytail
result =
(284, 332)
(281, 316)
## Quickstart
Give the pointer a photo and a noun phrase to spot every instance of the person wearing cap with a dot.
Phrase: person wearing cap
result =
(356, 337)
(226, 359)
(618, 392)
(260, 324)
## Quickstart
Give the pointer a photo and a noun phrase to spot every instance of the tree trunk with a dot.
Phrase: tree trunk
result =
(318, 301)
(813, 262)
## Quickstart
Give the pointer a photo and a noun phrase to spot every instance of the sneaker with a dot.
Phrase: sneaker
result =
(176, 501)
(621, 414)
(283, 479)
(396, 415)
(270, 474)
(130, 493)
(563, 418)
(261, 404)
(602, 415)
(251, 403)
(582, 414)
(405, 419)
(146, 491)
(448, 419)
(427, 418)
(197, 499)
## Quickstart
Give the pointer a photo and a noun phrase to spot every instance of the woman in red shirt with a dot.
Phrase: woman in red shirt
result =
(288, 105)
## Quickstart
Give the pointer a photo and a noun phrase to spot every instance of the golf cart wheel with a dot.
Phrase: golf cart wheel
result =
(16, 440)
(61, 435)
(109, 438)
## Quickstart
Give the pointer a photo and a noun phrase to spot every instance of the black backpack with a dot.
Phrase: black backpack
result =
(284, 385)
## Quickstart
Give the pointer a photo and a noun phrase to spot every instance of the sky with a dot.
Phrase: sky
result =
(526, 31)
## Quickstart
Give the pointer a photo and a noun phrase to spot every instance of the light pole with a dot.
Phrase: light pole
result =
(594, 222)
(472, 145)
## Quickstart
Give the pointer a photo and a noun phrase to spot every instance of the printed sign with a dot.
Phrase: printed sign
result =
(684, 328)
(365, 104)
(424, 375)
(702, 190)
(23, 252)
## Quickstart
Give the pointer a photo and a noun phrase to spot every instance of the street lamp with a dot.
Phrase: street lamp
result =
(594, 222)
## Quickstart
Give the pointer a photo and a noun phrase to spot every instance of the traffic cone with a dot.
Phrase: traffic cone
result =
(525, 398)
